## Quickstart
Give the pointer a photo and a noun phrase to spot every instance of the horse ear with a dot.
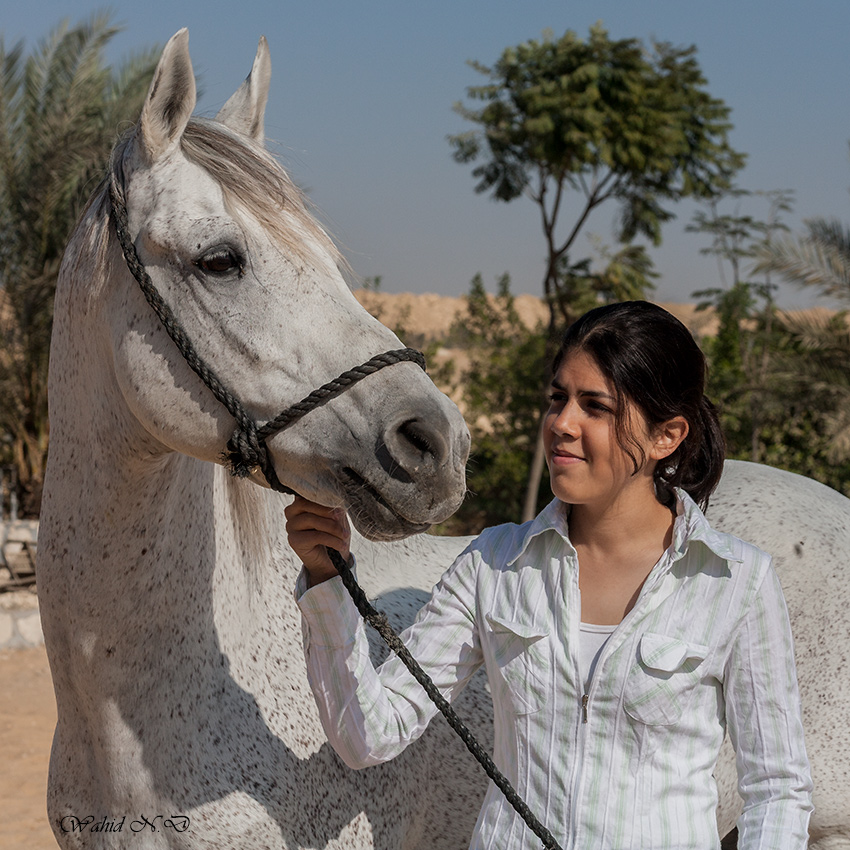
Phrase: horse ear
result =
(245, 111)
(170, 101)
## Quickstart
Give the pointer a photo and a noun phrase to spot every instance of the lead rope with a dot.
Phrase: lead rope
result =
(247, 450)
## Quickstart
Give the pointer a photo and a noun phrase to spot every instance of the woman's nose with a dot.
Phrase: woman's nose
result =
(565, 421)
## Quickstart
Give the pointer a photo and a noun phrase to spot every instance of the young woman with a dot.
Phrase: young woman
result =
(620, 633)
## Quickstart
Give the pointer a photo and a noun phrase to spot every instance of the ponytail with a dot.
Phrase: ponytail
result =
(697, 464)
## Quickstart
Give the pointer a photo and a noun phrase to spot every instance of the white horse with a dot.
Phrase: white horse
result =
(185, 719)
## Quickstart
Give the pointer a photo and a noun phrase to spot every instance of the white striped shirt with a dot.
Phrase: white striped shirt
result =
(708, 643)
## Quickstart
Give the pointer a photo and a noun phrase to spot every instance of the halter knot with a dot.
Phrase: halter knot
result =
(245, 452)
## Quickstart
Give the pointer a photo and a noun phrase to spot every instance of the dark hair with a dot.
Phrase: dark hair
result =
(652, 360)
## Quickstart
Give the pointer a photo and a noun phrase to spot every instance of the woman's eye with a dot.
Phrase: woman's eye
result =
(220, 261)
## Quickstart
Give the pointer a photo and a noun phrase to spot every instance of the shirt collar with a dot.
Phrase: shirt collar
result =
(690, 525)
(552, 518)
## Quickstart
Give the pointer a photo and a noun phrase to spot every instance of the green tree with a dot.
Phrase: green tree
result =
(61, 108)
(501, 387)
(743, 379)
(625, 275)
(823, 378)
(600, 119)
(818, 258)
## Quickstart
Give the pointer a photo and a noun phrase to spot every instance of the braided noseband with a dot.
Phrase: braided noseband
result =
(247, 450)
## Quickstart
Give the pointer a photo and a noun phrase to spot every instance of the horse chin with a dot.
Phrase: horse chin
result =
(384, 528)
(372, 515)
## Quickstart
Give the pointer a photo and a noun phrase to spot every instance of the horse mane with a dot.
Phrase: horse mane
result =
(251, 510)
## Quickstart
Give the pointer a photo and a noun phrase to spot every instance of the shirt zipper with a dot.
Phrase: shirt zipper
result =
(585, 700)
(645, 591)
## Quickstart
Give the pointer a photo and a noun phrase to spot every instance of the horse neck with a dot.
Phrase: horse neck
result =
(125, 521)
(145, 527)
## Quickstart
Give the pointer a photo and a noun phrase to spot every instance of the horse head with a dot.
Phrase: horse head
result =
(228, 242)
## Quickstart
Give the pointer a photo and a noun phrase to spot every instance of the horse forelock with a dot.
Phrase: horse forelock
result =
(252, 180)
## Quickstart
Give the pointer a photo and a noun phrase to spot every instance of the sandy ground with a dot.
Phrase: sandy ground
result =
(27, 718)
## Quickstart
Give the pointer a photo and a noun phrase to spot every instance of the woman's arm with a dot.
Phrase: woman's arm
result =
(371, 715)
(763, 715)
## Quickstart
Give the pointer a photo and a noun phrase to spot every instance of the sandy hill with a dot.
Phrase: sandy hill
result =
(432, 315)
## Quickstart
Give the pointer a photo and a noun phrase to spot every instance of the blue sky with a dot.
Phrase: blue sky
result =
(361, 105)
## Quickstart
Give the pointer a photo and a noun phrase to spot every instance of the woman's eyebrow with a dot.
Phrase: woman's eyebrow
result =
(592, 393)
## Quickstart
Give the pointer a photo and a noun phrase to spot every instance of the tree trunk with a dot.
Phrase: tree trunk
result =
(535, 474)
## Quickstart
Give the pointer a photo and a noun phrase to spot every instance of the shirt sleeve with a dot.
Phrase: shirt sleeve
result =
(763, 716)
(371, 715)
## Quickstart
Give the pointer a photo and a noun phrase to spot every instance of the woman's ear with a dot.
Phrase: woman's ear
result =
(668, 436)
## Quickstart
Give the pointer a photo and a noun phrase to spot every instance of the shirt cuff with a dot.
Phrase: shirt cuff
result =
(328, 612)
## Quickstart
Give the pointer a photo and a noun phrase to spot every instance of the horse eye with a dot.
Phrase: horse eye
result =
(220, 261)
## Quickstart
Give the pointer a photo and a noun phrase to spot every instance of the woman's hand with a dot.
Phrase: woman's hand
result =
(310, 529)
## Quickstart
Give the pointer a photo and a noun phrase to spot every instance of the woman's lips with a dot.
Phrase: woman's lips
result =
(565, 458)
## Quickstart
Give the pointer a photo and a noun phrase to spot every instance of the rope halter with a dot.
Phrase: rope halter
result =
(246, 448)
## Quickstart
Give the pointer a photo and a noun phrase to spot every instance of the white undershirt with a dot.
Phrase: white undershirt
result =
(592, 639)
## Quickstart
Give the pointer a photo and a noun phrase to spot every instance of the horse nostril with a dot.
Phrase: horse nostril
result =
(412, 448)
(419, 437)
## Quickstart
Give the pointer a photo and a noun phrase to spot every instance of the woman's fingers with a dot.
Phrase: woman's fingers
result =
(309, 520)
(330, 524)
(311, 528)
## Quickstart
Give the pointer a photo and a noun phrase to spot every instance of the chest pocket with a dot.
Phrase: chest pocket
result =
(522, 662)
(659, 686)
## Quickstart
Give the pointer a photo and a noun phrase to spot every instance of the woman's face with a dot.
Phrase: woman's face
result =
(587, 465)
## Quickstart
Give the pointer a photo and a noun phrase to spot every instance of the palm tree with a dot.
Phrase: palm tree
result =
(61, 108)
(820, 258)
(823, 374)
